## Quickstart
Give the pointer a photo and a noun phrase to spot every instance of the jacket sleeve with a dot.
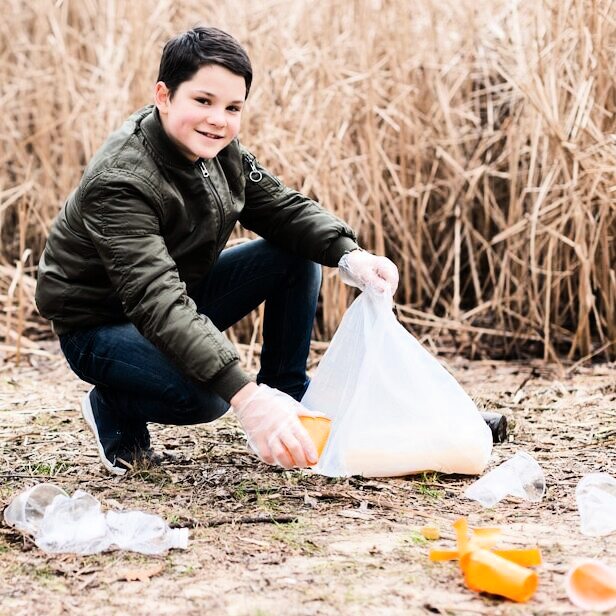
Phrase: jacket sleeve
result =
(291, 220)
(123, 221)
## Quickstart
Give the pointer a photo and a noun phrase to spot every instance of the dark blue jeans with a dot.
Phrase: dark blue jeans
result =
(136, 383)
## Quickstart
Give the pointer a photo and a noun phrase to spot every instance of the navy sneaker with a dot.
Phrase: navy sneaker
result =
(107, 434)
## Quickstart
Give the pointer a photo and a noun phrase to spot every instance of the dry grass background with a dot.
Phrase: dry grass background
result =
(472, 142)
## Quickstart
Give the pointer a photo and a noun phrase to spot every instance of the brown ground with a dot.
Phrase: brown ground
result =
(352, 546)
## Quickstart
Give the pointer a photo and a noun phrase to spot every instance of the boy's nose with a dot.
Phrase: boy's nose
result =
(217, 118)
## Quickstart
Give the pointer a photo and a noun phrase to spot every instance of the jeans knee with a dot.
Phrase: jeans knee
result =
(308, 274)
(192, 408)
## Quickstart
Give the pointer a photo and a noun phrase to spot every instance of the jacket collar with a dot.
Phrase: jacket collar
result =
(161, 144)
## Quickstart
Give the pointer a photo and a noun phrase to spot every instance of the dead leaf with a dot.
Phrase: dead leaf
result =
(142, 574)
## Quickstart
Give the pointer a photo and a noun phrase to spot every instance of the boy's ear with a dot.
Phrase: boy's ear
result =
(162, 96)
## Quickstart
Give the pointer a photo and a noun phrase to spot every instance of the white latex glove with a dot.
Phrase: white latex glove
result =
(270, 419)
(363, 269)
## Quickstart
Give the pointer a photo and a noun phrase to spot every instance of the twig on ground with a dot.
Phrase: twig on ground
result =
(246, 519)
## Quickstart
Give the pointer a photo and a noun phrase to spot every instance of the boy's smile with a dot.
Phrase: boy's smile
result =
(203, 115)
(210, 135)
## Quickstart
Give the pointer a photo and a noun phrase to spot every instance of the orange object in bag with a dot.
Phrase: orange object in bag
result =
(318, 429)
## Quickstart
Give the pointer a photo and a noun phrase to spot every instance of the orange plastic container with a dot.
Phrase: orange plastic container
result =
(318, 428)
(591, 585)
(485, 571)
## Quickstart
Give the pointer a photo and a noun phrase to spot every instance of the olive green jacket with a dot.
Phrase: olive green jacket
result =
(145, 225)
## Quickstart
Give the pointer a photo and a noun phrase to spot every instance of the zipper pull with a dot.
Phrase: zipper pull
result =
(204, 170)
(255, 175)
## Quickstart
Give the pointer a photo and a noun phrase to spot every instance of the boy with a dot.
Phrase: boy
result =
(139, 289)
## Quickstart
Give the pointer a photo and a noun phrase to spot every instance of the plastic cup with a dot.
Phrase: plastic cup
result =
(519, 476)
(595, 495)
(318, 429)
(26, 510)
(591, 585)
(485, 571)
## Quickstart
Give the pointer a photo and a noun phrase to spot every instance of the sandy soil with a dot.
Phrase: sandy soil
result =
(264, 541)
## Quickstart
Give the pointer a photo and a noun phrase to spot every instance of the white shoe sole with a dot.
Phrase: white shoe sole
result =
(88, 415)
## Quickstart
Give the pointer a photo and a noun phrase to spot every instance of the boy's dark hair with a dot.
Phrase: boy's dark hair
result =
(186, 53)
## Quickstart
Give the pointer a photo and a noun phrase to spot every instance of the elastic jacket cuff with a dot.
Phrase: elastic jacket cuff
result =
(339, 247)
(229, 381)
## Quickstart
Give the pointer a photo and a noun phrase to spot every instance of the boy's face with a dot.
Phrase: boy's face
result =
(203, 116)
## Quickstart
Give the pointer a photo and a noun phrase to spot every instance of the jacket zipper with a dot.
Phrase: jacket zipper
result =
(204, 171)
(221, 209)
(255, 175)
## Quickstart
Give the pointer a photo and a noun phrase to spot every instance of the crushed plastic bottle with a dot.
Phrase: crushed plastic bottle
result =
(596, 500)
(144, 533)
(73, 524)
(519, 476)
(76, 524)
(25, 512)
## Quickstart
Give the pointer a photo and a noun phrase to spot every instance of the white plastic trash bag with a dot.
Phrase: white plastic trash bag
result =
(395, 409)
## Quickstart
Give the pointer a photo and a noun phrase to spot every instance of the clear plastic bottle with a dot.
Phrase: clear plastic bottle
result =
(26, 510)
(74, 525)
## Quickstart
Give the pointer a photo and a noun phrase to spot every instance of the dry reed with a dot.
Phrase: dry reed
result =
(472, 142)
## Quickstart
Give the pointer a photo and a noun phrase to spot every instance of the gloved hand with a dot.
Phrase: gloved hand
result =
(363, 269)
(270, 419)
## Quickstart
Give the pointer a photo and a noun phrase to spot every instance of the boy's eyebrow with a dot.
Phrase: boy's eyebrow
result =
(211, 95)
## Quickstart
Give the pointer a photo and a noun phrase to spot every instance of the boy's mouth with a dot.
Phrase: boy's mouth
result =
(210, 135)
